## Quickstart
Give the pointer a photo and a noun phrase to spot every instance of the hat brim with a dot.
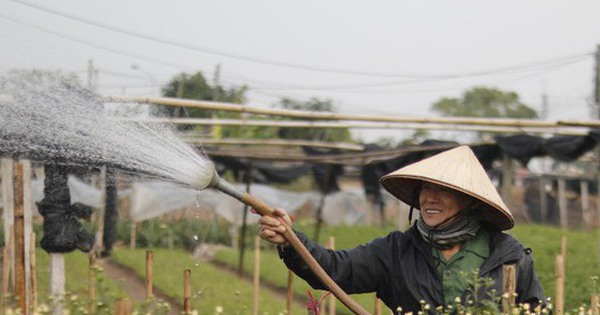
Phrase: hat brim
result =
(405, 187)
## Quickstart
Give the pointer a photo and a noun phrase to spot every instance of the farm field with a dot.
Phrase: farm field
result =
(215, 285)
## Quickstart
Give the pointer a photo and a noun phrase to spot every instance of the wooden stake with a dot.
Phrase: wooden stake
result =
(595, 304)
(6, 173)
(562, 204)
(33, 273)
(507, 179)
(132, 235)
(187, 292)
(6, 264)
(560, 283)
(331, 298)
(57, 282)
(27, 228)
(290, 292)
(508, 288)
(256, 281)
(19, 219)
(92, 282)
(563, 248)
(101, 211)
(123, 307)
(585, 204)
(149, 274)
(377, 306)
(543, 200)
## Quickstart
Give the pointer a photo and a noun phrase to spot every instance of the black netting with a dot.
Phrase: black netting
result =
(63, 232)
(521, 147)
(568, 148)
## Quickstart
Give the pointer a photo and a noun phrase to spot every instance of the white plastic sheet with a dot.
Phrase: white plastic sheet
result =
(79, 191)
(153, 198)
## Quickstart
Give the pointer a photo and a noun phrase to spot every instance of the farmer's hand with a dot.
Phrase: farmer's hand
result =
(271, 229)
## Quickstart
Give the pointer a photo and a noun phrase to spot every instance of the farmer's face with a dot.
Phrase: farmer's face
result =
(439, 203)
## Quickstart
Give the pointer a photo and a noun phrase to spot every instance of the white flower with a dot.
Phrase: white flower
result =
(219, 309)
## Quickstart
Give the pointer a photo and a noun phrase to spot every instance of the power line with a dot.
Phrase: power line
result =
(274, 87)
(262, 60)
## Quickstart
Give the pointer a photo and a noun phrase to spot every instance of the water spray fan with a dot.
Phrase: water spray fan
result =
(210, 179)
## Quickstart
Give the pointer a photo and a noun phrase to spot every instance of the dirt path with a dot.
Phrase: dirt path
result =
(133, 285)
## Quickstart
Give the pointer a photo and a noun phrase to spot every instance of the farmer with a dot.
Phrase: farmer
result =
(460, 230)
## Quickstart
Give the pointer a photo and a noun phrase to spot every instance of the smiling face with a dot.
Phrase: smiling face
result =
(439, 203)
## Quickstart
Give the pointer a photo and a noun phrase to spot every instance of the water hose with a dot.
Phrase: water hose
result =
(264, 209)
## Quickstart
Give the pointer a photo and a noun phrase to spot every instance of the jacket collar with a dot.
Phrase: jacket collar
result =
(503, 248)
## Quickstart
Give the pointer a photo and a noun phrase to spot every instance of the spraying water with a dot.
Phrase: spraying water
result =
(63, 125)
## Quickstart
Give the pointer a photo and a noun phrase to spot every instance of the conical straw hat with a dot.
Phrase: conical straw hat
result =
(457, 169)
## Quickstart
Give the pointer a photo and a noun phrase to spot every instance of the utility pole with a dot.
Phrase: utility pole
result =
(544, 113)
(92, 75)
(216, 78)
(597, 83)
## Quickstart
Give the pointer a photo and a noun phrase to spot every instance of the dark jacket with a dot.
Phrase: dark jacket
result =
(400, 268)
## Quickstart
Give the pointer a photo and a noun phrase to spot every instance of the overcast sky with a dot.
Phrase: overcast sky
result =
(369, 57)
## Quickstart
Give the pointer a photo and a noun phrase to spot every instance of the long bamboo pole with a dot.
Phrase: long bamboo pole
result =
(273, 142)
(335, 116)
(464, 126)
(346, 158)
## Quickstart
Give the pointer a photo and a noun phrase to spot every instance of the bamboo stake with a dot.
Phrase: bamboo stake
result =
(187, 292)
(543, 200)
(563, 248)
(377, 306)
(123, 307)
(149, 274)
(19, 219)
(334, 116)
(6, 172)
(560, 282)
(101, 211)
(256, 279)
(507, 179)
(290, 292)
(33, 273)
(132, 235)
(6, 264)
(562, 204)
(585, 204)
(27, 228)
(595, 304)
(508, 288)
(57, 281)
(92, 282)
(331, 298)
